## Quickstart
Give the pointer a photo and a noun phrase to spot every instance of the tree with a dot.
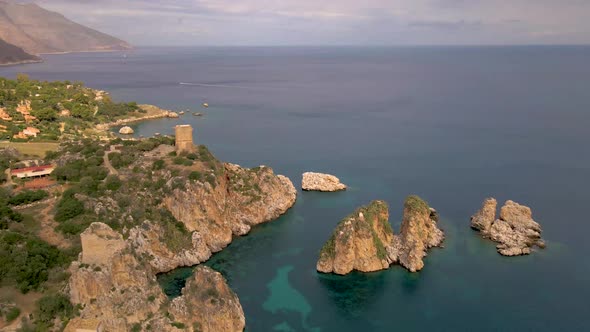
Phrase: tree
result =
(45, 114)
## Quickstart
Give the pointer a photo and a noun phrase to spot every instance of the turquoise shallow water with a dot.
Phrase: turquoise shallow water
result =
(453, 125)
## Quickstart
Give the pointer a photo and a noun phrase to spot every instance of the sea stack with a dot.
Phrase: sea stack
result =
(515, 231)
(321, 182)
(358, 242)
(365, 242)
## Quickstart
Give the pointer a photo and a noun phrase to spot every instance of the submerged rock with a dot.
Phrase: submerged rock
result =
(126, 131)
(321, 182)
(364, 241)
(515, 231)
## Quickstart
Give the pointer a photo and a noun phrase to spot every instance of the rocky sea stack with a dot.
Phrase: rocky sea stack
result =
(321, 182)
(359, 242)
(364, 241)
(515, 231)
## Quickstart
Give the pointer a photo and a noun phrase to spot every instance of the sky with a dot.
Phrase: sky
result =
(334, 22)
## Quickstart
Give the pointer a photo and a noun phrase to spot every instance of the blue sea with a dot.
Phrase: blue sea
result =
(451, 124)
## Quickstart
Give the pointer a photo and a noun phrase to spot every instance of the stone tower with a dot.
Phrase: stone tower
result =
(184, 138)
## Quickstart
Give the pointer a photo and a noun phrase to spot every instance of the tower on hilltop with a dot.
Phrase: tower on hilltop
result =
(184, 138)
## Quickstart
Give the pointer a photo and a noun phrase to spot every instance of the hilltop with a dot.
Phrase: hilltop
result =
(37, 30)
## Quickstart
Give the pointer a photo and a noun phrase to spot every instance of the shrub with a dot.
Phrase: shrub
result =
(12, 314)
(136, 327)
(113, 183)
(50, 307)
(28, 196)
(178, 325)
(195, 176)
(27, 261)
(158, 165)
(68, 208)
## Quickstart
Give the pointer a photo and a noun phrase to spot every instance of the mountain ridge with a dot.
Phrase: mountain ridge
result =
(11, 54)
(40, 31)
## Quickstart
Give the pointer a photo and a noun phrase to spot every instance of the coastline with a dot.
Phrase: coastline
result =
(89, 51)
(24, 62)
(153, 113)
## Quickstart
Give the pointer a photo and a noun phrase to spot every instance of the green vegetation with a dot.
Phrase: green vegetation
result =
(27, 261)
(27, 197)
(416, 204)
(12, 314)
(50, 307)
(136, 327)
(178, 325)
(68, 207)
(58, 109)
(329, 248)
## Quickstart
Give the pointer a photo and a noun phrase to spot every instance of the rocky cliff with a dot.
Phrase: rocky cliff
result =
(114, 278)
(321, 182)
(358, 242)
(419, 232)
(119, 291)
(364, 241)
(515, 231)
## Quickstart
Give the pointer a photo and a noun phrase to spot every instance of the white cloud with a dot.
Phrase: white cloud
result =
(324, 22)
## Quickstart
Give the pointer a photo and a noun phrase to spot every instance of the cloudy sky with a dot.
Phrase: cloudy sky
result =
(334, 22)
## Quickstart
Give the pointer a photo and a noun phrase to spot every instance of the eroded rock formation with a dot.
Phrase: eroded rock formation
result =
(114, 278)
(358, 242)
(364, 241)
(119, 291)
(515, 231)
(321, 182)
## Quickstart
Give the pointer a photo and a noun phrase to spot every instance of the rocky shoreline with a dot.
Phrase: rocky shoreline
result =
(153, 113)
(114, 279)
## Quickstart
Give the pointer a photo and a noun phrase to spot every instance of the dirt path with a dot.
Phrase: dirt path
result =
(47, 227)
(9, 182)
(107, 162)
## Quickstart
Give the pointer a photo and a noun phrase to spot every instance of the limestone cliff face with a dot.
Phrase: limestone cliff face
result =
(111, 283)
(114, 278)
(118, 290)
(238, 200)
(515, 231)
(419, 232)
(365, 242)
(219, 307)
(358, 242)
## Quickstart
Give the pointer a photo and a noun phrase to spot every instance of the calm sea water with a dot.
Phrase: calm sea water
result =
(453, 125)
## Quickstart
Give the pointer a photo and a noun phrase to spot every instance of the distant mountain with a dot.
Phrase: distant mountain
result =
(10, 54)
(37, 30)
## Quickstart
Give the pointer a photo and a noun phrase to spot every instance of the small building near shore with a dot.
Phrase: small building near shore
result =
(32, 172)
